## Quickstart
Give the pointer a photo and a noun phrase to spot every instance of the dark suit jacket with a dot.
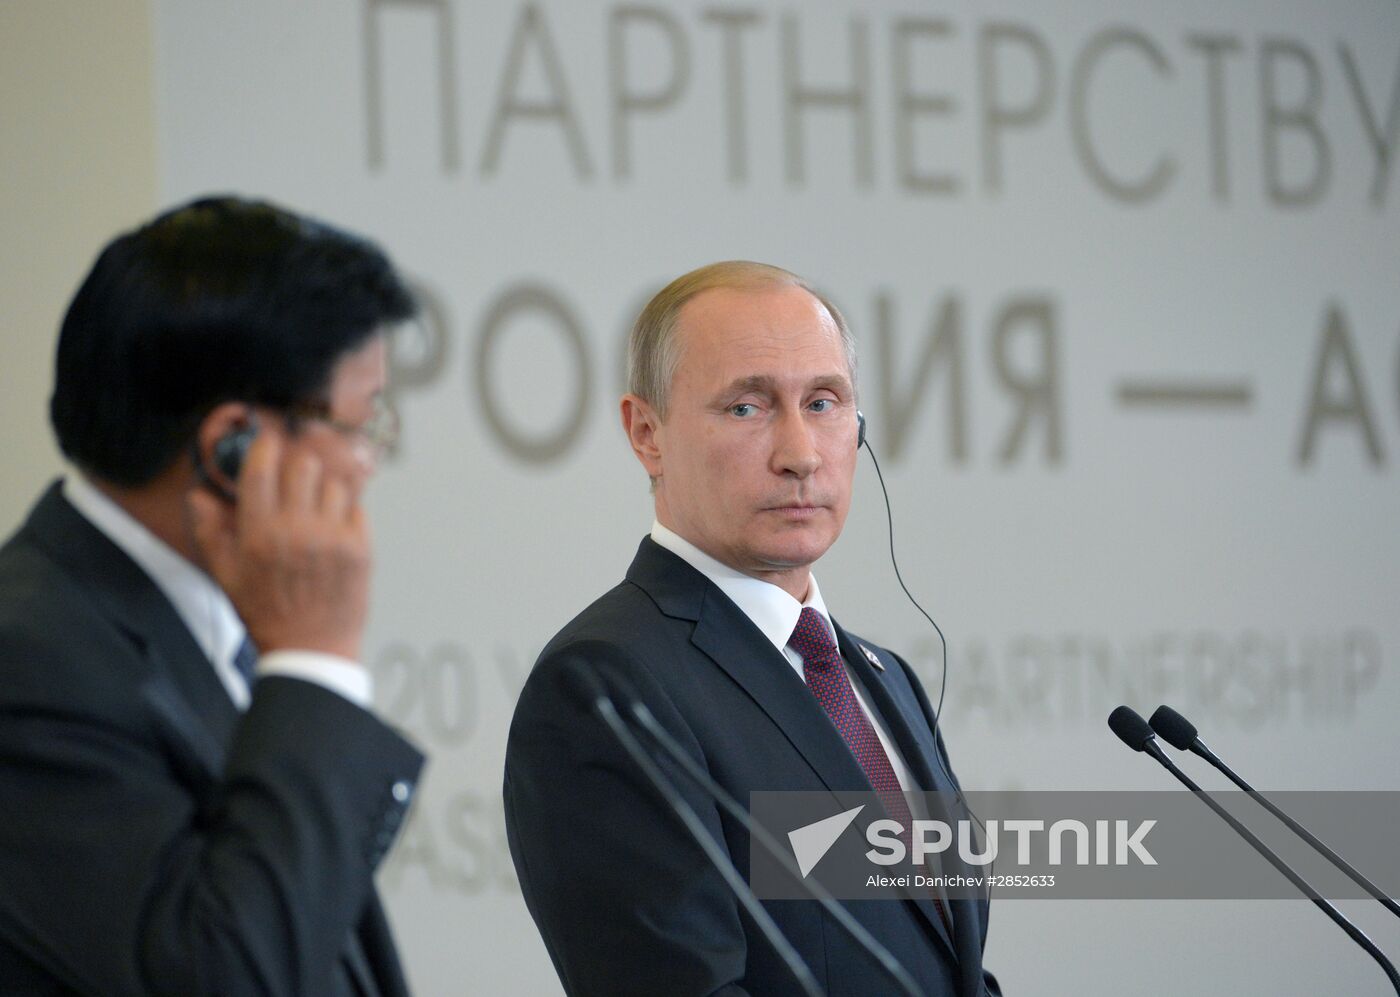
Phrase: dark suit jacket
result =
(625, 901)
(154, 840)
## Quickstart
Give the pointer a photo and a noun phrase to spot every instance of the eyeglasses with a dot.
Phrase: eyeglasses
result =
(380, 430)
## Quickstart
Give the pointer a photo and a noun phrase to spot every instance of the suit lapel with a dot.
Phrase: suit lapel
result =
(178, 681)
(736, 646)
(905, 720)
(911, 733)
(915, 742)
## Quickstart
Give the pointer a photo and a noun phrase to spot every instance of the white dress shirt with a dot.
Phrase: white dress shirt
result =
(206, 610)
(775, 613)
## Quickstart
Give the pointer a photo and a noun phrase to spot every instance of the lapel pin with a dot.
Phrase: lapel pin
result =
(871, 657)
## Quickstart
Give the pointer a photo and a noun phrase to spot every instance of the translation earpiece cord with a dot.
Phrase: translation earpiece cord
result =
(943, 641)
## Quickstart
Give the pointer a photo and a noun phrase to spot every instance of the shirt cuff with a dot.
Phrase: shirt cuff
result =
(340, 675)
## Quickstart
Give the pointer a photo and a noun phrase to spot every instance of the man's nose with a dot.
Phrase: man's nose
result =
(795, 446)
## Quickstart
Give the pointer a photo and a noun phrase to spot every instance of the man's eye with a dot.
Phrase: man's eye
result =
(742, 410)
(822, 405)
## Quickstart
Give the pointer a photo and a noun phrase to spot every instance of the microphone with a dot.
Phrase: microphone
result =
(667, 742)
(1179, 732)
(603, 705)
(1137, 734)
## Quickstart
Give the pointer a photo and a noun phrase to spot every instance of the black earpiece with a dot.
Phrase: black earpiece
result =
(860, 431)
(232, 449)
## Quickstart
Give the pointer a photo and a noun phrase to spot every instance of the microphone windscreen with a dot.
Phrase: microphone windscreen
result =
(1173, 728)
(1131, 729)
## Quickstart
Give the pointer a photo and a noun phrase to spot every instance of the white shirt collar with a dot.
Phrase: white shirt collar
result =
(200, 603)
(771, 609)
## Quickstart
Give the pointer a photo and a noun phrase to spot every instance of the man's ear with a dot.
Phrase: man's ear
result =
(641, 424)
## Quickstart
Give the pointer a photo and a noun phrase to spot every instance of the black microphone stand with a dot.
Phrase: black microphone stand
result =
(1167, 722)
(1125, 724)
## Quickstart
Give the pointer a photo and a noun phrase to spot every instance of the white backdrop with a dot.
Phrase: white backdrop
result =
(1124, 279)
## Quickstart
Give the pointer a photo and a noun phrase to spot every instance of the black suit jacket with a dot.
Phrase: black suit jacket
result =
(154, 840)
(625, 901)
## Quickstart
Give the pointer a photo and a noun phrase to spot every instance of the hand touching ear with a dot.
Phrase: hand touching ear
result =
(293, 552)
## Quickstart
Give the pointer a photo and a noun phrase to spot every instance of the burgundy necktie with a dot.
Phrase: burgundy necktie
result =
(825, 672)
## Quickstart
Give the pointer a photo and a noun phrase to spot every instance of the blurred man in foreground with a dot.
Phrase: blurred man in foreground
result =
(196, 791)
(742, 410)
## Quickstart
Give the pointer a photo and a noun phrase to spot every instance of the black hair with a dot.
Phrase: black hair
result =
(223, 299)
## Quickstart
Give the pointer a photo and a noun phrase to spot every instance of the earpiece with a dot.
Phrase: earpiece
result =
(232, 448)
(860, 431)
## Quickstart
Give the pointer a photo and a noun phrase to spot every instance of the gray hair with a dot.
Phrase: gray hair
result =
(653, 351)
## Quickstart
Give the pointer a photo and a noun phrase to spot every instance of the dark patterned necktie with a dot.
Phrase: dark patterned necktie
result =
(245, 659)
(825, 672)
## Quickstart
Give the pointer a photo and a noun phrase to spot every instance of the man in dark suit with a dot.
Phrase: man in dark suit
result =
(742, 410)
(196, 794)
